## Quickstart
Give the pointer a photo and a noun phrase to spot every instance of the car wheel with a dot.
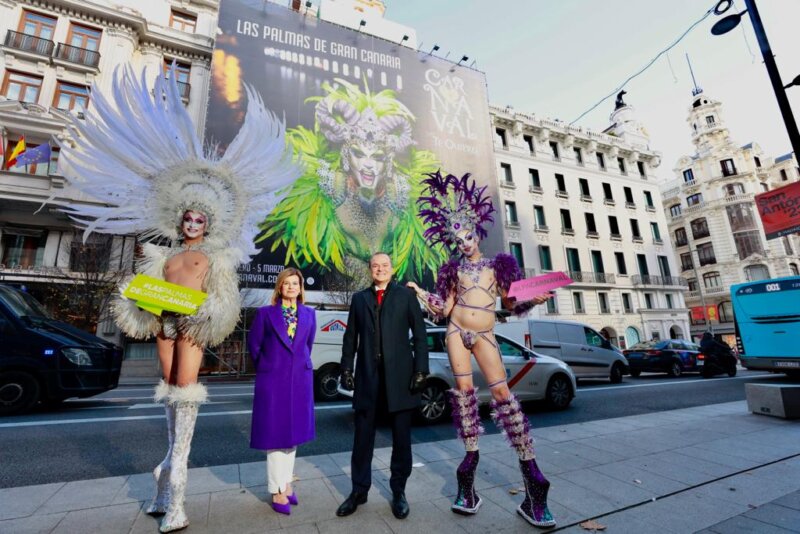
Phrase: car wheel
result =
(732, 371)
(636, 373)
(616, 373)
(434, 402)
(559, 392)
(326, 381)
(19, 392)
(675, 370)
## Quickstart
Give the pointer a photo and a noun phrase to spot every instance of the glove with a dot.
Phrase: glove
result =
(418, 382)
(347, 380)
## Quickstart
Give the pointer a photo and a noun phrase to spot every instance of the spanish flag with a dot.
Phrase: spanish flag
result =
(19, 149)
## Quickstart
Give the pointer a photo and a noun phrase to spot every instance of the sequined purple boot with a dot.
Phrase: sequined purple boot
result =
(468, 426)
(509, 417)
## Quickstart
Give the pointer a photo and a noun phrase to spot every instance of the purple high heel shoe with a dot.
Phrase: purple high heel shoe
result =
(292, 499)
(285, 509)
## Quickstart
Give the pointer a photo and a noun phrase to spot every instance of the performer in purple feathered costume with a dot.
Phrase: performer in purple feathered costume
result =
(467, 287)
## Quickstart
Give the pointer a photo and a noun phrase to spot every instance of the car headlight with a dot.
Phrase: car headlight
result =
(77, 356)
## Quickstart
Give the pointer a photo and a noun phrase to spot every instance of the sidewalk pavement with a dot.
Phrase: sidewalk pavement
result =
(711, 469)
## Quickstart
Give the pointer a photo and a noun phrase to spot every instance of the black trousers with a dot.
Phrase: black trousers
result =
(364, 445)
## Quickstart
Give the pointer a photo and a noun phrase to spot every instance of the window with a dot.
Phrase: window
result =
(793, 269)
(69, 97)
(705, 253)
(635, 229)
(37, 25)
(608, 195)
(675, 210)
(648, 199)
(601, 160)
(712, 279)
(688, 176)
(626, 303)
(787, 246)
(748, 243)
(578, 155)
(566, 221)
(545, 260)
(613, 225)
(597, 262)
(507, 348)
(641, 168)
(538, 215)
(741, 217)
(663, 266)
(534, 174)
(725, 310)
(23, 247)
(695, 199)
(655, 232)
(516, 251)
(728, 168)
(435, 342)
(641, 260)
(733, 189)
(700, 228)
(528, 140)
(577, 301)
(554, 150)
(692, 284)
(757, 161)
(710, 120)
(686, 261)
(22, 87)
(681, 238)
(670, 304)
(622, 269)
(628, 196)
(764, 186)
(621, 163)
(511, 214)
(561, 185)
(784, 176)
(584, 184)
(39, 169)
(183, 73)
(648, 301)
(84, 37)
(182, 21)
(573, 260)
(591, 227)
(602, 299)
(552, 306)
(92, 256)
(756, 272)
(505, 171)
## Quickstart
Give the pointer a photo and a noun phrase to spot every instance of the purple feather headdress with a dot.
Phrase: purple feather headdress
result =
(450, 205)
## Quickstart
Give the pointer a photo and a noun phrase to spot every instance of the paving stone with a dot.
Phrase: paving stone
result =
(318, 504)
(34, 524)
(83, 494)
(361, 521)
(750, 489)
(24, 500)
(196, 507)
(214, 478)
(424, 518)
(586, 502)
(141, 487)
(254, 474)
(491, 517)
(243, 511)
(689, 512)
(308, 528)
(432, 452)
(629, 472)
(704, 453)
(117, 518)
(620, 493)
(615, 444)
(633, 521)
(342, 460)
(790, 501)
(744, 525)
(779, 516)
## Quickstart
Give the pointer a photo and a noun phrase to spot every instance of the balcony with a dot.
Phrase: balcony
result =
(592, 235)
(512, 225)
(689, 183)
(77, 56)
(592, 278)
(658, 241)
(507, 184)
(530, 272)
(541, 228)
(184, 89)
(682, 243)
(586, 198)
(562, 194)
(650, 208)
(637, 239)
(652, 280)
(630, 205)
(29, 43)
(535, 189)
(567, 231)
(616, 237)
(609, 201)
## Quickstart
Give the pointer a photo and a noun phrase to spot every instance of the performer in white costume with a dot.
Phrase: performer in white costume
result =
(138, 153)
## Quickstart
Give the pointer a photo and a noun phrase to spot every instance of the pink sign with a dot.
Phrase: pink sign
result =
(529, 288)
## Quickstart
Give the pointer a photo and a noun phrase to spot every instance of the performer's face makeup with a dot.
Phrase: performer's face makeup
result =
(380, 266)
(290, 288)
(367, 165)
(193, 225)
(467, 242)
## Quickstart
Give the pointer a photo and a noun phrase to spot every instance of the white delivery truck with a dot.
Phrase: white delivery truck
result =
(589, 354)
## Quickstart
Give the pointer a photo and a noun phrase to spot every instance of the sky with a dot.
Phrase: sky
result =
(557, 58)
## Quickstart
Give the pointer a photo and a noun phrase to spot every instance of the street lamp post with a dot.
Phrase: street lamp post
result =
(728, 23)
(708, 324)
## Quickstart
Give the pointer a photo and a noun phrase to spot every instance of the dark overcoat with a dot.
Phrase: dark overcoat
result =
(283, 405)
(399, 314)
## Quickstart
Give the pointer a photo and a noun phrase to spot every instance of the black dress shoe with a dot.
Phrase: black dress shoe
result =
(399, 505)
(351, 503)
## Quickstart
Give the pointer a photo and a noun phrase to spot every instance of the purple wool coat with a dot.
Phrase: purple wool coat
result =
(283, 406)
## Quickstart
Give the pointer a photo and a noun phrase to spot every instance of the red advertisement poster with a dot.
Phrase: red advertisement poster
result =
(780, 210)
(698, 313)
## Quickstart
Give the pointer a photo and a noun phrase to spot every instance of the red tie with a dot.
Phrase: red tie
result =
(380, 296)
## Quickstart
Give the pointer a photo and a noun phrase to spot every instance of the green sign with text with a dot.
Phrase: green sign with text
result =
(157, 296)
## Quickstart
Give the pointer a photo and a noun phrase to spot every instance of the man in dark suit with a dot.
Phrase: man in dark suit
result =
(377, 331)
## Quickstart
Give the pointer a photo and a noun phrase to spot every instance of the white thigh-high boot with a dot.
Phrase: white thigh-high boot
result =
(161, 472)
(186, 402)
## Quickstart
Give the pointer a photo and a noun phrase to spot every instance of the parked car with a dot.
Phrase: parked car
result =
(589, 354)
(671, 356)
(531, 376)
(48, 360)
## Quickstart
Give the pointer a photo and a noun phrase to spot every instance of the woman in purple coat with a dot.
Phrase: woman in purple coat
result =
(280, 343)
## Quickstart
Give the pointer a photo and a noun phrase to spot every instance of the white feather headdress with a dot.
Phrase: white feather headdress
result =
(139, 155)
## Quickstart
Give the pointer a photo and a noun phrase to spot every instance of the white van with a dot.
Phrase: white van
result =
(589, 354)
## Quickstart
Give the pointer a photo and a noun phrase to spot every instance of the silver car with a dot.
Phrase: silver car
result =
(531, 376)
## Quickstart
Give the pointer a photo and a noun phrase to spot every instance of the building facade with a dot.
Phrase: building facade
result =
(714, 225)
(587, 203)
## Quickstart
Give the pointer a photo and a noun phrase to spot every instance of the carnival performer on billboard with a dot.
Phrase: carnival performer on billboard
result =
(467, 288)
(138, 156)
(362, 174)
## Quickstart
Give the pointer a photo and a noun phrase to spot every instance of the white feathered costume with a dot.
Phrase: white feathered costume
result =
(139, 154)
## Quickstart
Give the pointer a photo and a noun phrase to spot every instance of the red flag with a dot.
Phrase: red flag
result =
(19, 149)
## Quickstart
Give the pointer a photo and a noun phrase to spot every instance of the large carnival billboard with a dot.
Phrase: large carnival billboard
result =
(366, 117)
